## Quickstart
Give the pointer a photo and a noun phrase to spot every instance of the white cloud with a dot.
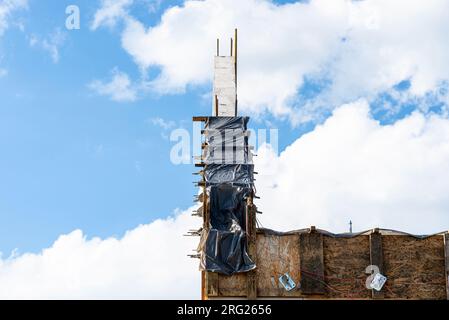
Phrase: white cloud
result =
(7, 8)
(353, 168)
(110, 12)
(3, 73)
(119, 89)
(350, 167)
(359, 48)
(52, 43)
(162, 123)
(149, 262)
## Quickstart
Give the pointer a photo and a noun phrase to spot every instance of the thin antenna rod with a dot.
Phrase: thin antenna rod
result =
(232, 47)
(218, 47)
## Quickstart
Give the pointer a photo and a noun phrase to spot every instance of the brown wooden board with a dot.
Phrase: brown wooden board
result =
(415, 268)
(376, 258)
(345, 261)
(311, 263)
(446, 255)
(276, 255)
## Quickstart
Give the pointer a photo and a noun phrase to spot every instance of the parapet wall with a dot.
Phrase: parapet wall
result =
(330, 266)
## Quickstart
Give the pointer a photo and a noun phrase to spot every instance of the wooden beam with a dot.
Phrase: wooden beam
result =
(311, 263)
(199, 119)
(203, 285)
(376, 257)
(446, 258)
(216, 105)
(251, 230)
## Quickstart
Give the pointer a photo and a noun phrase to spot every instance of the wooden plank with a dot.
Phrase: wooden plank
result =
(251, 228)
(277, 255)
(199, 119)
(251, 285)
(376, 258)
(212, 284)
(311, 263)
(203, 285)
(446, 261)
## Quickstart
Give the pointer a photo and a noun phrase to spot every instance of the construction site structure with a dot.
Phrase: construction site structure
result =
(239, 260)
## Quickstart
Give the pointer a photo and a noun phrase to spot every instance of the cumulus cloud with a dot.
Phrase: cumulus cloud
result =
(350, 167)
(119, 88)
(353, 168)
(363, 48)
(110, 12)
(7, 8)
(162, 123)
(149, 262)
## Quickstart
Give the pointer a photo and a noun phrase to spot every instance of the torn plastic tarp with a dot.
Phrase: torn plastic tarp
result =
(240, 174)
(227, 155)
(228, 146)
(226, 123)
(225, 248)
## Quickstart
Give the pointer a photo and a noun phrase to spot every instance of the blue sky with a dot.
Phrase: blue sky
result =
(72, 159)
(357, 89)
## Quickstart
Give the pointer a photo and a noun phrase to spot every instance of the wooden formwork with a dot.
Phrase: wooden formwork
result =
(328, 266)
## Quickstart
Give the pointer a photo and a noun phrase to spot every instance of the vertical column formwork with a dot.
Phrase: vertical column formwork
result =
(227, 244)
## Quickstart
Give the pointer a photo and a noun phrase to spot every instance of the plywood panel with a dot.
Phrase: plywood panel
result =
(232, 286)
(276, 255)
(414, 267)
(345, 261)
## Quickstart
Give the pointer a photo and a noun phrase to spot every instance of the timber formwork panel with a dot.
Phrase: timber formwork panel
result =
(345, 261)
(415, 267)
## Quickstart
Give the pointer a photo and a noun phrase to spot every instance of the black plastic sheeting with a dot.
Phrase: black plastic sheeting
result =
(229, 177)
(226, 141)
(226, 123)
(241, 174)
(225, 249)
